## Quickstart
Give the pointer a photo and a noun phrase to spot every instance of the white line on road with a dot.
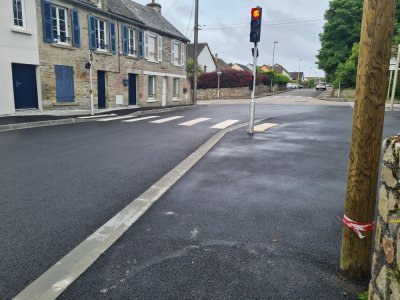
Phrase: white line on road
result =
(264, 127)
(97, 116)
(194, 122)
(62, 274)
(225, 124)
(166, 120)
(115, 118)
(140, 119)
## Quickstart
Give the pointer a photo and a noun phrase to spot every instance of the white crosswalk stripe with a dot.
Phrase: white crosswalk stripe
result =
(97, 116)
(194, 122)
(166, 120)
(115, 118)
(225, 124)
(140, 119)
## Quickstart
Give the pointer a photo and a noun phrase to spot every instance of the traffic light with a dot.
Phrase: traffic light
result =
(251, 82)
(255, 31)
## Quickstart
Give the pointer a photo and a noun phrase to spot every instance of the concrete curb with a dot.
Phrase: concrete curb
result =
(61, 275)
(17, 126)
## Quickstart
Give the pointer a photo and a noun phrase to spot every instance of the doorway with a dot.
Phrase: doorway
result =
(25, 86)
(132, 89)
(101, 89)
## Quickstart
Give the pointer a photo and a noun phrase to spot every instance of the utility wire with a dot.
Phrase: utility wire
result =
(190, 20)
(168, 10)
(269, 24)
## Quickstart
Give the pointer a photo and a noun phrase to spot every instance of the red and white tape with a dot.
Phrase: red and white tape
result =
(357, 227)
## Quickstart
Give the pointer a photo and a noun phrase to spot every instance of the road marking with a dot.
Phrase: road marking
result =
(97, 116)
(115, 118)
(166, 120)
(264, 127)
(140, 119)
(62, 274)
(194, 122)
(225, 124)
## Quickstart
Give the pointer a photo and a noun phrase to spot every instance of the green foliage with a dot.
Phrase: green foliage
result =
(363, 296)
(190, 69)
(310, 83)
(276, 77)
(346, 72)
(341, 31)
(394, 275)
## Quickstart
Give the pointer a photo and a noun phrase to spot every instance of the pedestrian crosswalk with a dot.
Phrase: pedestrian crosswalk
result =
(185, 122)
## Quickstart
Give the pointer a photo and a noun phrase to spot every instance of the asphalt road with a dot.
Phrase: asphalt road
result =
(59, 184)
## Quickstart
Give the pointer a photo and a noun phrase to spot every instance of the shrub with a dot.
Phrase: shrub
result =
(229, 79)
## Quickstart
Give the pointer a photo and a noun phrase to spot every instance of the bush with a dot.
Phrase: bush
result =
(229, 79)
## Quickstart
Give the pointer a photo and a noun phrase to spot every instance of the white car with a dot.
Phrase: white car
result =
(321, 86)
(290, 86)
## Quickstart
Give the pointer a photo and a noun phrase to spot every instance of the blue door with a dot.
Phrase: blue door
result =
(132, 89)
(25, 86)
(101, 89)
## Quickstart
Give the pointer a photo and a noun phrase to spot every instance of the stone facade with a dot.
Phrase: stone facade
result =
(117, 66)
(385, 282)
(236, 93)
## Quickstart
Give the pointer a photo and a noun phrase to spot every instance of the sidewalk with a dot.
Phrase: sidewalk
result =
(254, 219)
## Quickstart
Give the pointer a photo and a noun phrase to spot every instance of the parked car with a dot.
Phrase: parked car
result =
(289, 86)
(300, 86)
(321, 86)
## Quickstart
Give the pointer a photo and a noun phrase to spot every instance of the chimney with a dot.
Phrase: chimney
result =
(154, 6)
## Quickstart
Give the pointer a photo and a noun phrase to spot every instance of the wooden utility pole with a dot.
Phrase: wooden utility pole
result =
(196, 42)
(369, 111)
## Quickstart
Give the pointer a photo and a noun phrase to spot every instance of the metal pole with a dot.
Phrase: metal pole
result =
(91, 84)
(253, 94)
(338, 94)
(309, 78)
(196, 41)
(390, 82)
(273, 65)
(298, 74)
(396, 74)
(218, 85)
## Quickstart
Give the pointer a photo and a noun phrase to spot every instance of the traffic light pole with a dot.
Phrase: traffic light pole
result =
(253, 93)
(91, 82)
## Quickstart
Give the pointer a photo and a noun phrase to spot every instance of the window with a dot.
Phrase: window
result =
(151, 87)
(18, 13)
(176, 88)
(205, 69)
(101, 37)
(64, 83)
(177, 53)
(152, 38)
(59, 25)
(131, 42)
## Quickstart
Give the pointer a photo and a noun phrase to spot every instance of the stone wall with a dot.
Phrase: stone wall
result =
(385, 282)
(235, 93)
(116, 66)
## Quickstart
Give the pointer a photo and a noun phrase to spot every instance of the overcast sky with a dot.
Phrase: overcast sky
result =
(295, 24)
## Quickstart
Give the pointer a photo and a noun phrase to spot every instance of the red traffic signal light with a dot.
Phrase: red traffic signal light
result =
(251, 82)
(256, 13)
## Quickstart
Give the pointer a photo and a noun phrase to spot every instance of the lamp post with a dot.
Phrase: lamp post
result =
(273, 63)
(309, 78)
(298, 74)
(219, 73)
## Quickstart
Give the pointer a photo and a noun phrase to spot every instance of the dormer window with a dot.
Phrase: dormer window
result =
(19, 13)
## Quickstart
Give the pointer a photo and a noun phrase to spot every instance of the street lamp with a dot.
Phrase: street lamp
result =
(273, 63)
(219, 73)
(309, 78)
(298, 74)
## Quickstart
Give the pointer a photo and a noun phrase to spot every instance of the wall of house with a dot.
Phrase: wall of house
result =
(16, 46)
(205, 59)
(117, 67)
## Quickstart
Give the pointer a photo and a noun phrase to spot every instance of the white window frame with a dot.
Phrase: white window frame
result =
(176, 58)
(132, 44)
(151, 35)
(98, 33)
(57, 17)
(23, 27)
(153, 96)
(175, 87)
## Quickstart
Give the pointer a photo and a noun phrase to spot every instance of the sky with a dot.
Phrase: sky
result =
(294, 24)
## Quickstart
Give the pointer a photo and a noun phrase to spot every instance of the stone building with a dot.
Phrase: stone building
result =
(138, 57)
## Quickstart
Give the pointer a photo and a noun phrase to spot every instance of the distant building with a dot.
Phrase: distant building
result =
(281, 70)
(204, 57)
(297, 76)
(221, 64)
(265, 68)
(240, 67)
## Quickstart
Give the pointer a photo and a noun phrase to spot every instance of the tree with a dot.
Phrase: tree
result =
(346, 72)
(276, 77)
(190, 70)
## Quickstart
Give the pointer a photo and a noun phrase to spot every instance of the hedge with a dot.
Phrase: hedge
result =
(229, 79)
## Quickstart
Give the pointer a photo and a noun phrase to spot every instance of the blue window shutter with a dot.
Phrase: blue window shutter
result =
(76, 34)
(113, 46)
(92, 32)
(64, 83)
(124, 30)
(141, 43)
(46, 22)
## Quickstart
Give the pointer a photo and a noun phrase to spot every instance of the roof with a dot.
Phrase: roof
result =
(296, 75)
(152, 19)
(200, 47)
(280, 69)
(243, 67)
(221, 64)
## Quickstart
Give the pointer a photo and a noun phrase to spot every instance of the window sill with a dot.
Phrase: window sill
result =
(20, 30)
(65, 104)
(103, 52)
(151, 100)
(63, 46)
(176, 100)
(152, 61)
(131, 57)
